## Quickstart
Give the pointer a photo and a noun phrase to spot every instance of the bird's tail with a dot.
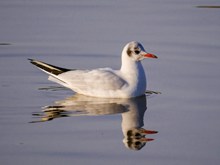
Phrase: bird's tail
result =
(52, 70)
(48, 68)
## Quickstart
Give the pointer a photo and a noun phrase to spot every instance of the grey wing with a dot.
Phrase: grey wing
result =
(100, 79)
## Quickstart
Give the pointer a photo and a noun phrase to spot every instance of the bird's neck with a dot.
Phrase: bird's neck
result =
(132, 68)
(134, 75)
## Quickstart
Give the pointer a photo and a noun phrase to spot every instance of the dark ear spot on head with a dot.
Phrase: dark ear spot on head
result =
(129, 52)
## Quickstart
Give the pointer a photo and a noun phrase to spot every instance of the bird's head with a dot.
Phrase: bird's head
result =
(135, 51)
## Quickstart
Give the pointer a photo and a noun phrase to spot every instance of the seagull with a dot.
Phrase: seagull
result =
(128, 82)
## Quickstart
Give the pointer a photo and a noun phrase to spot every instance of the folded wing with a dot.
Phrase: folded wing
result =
(88, 82)
(83, 81)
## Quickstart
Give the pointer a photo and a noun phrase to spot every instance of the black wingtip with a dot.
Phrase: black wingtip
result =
(31, 60)
(48, 67)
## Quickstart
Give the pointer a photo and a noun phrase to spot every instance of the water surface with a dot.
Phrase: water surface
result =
(90, 34)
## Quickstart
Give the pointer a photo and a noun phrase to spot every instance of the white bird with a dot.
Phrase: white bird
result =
(128, 82)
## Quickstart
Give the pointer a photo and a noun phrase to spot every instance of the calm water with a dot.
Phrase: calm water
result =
(90, 34)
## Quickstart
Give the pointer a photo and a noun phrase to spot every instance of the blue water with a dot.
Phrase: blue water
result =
(91, 34)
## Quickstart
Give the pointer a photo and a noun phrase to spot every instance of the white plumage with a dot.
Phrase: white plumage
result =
(129, 81)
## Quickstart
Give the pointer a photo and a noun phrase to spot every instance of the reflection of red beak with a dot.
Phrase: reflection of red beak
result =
(149, 55)
(146, 139)
(149, 132)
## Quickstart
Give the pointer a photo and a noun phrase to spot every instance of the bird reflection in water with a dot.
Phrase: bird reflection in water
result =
(132, 111)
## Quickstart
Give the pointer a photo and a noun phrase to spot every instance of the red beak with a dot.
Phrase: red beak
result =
(149, 55)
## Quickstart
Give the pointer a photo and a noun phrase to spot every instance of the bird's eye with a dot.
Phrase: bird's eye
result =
(137, 51)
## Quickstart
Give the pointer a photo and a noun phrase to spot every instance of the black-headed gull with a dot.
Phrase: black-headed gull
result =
(129, 81)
